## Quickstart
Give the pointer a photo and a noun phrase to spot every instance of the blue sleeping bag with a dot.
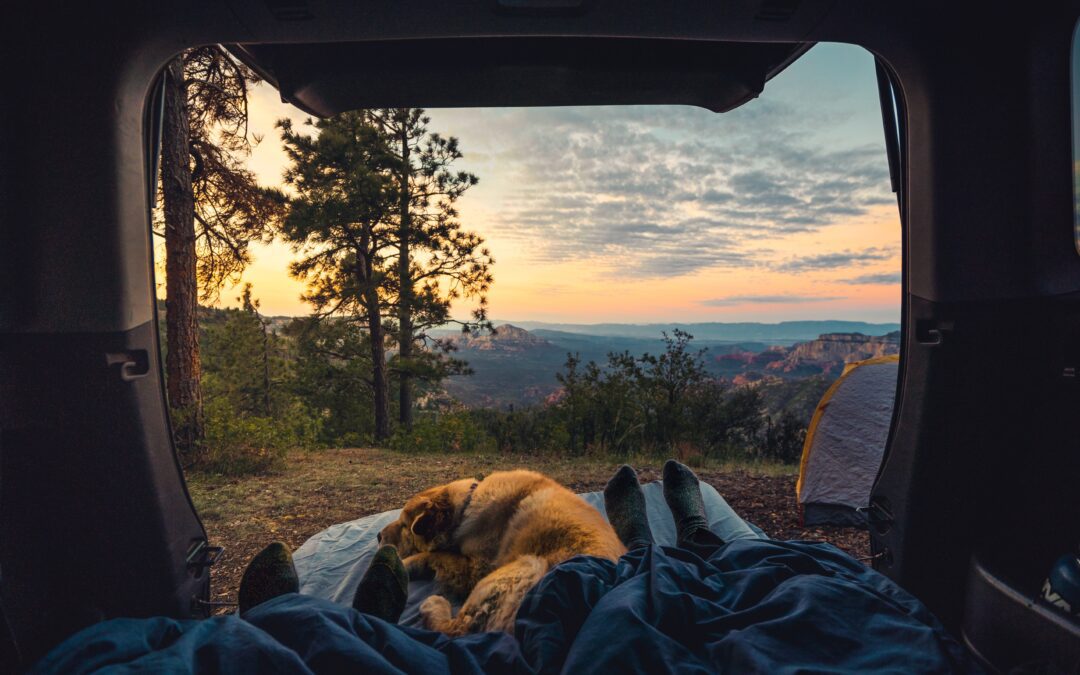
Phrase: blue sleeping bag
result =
(752, 605)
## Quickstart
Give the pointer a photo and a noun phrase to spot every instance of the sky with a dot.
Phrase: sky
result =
(778, 210)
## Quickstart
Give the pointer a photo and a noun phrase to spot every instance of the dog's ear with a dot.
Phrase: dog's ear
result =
(434, 518)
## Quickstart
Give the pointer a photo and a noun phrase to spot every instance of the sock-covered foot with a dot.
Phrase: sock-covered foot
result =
(269, 574)
(384, 588)
(683, 496)
(625, 505)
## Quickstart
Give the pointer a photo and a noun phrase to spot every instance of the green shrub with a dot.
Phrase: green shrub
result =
(239, 444)
(446, 432)
(523, 431)
(783, 439)
(349, 439)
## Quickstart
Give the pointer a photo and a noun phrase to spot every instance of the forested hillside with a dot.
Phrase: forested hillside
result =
(275, 383)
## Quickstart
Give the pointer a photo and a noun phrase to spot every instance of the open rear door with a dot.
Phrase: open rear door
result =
(95, 520)
(977, 495)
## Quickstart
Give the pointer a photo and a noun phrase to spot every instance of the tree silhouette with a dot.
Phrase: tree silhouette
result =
(339, 221)
(212, 208)
(242, 360)
(436, 261)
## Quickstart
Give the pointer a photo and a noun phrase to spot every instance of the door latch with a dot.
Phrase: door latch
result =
(930, 333)
(203, 556)
(878, 515)
(133, 364)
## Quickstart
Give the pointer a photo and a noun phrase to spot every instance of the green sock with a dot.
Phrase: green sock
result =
(269, 574)
(683, 496)
(384, 588)
(625, 505)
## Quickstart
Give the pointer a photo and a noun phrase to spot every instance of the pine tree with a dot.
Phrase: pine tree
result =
(239, 359)
(183, 365)
(339, 221)
(212, 208)
(436, 261)
(332, 376)
(251, 308)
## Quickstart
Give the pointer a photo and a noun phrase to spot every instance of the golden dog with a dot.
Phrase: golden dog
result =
(490, 542)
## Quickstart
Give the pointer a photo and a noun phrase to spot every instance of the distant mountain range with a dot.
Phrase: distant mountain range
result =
(826, 355)
(517, 366)
(785, 332)
(792, 362)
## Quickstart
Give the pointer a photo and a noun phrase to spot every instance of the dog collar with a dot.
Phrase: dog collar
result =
(468, 498)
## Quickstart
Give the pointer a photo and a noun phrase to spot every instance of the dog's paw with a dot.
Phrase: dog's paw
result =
(435, 612)
(418, 568)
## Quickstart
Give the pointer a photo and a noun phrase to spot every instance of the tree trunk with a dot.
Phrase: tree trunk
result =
(378, 367)
(265, 365)
(405, 328)
(182, 364)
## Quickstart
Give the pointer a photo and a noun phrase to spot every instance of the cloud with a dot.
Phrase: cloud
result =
(733, 300)
(883, 278)
(828, 261)
(665, 202)
(663, 191)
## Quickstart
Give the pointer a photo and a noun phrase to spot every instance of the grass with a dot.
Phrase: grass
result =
(319, 488)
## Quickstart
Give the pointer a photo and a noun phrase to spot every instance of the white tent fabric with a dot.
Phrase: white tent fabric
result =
(845, 443)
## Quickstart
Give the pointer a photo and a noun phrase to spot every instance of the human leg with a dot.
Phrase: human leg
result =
(269, 574)
(683, 496)
(384, 588)
(625, 505)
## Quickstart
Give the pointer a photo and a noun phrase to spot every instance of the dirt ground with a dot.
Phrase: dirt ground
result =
(323, 487)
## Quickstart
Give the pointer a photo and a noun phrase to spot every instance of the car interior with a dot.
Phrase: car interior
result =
(977, 494)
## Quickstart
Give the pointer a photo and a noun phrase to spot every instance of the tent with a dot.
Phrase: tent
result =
(845, 442)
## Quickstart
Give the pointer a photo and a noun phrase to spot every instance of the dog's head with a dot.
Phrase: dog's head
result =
(428, 521)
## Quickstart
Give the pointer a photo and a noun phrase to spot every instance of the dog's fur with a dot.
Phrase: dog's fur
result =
(490, 541)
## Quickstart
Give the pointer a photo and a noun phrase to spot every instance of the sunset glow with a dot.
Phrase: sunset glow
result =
(780, 210)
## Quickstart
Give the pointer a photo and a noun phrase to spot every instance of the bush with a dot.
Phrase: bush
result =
(523, 431)
(239, 444)
(660, 405)
(446, 432)
(783, 439)
(349, 439)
